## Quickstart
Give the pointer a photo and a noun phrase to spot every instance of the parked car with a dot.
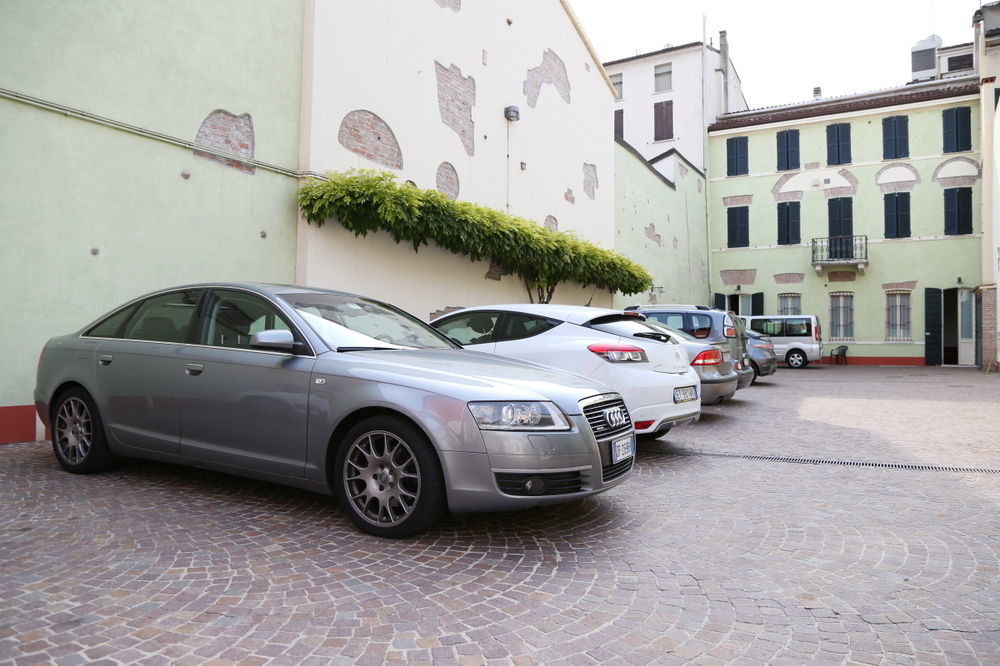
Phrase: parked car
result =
(762, 357)
(719, 379)
(797, 339)
(705, 324)
(651, 373)
(330, 392)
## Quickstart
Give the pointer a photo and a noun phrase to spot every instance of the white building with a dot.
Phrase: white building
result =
(666, 99)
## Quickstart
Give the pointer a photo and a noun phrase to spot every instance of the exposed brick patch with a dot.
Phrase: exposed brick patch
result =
(812, 165)
(366, 134)
(456, 97)
(443, 311)
(552, 70)
(743, 276)
(848, 191)
(789, 278)
(551, 223)
(682, 170)
(911, 285)
(568, 195)
(779, 196)
(453, 5)
(897, 177)
(957, 172)
(447, 180)
(227, 132)
(841, 276)
(741, 200)
(590, 183)
(652, 235)
(496, 271)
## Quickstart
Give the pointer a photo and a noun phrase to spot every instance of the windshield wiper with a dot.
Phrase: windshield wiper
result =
(662, 337)
(350, 349)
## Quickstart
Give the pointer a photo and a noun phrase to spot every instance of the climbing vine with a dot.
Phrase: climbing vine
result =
(364, 201)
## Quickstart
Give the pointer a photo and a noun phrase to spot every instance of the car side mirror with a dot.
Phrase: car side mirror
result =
(273, 340)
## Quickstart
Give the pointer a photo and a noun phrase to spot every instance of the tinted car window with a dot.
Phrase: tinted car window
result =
(165, 318)
(111, 327)
(517, 326)
(694, 324)
(233, 317)
(471, 328)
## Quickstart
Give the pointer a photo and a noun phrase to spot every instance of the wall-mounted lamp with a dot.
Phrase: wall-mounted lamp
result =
(737, 287)
(960, 279)
(512, 113)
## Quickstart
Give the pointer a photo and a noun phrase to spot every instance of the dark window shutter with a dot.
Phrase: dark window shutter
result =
(847, 216)
(737, 163)
(832, 145)
(902, 136)
(743, 155)
(783, 224)
(720, 301)
(965, 210)
(845, 143)
(963, 128)
(891, 214)
(619, 124)
(903, 215)
(738, 221)
(793, 149)
(888, 139)
(949, 121)
(731, 160)
(663, 120)
(794, 218)
(951, 212)
(757, 303)
(932, 326)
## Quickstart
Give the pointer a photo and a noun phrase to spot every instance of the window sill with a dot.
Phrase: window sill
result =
(661, 92)
(673, 138)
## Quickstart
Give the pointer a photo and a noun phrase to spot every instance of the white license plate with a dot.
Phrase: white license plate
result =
(727, 356)
(685, 394)
(622, 449)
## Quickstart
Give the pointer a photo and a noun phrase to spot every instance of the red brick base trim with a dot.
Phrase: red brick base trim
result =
(17, 424)
(876, 360)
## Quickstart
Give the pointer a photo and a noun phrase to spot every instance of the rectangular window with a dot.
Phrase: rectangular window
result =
(897, 215)
(838, 143)
(662, 78)
(957, 129)
(739, 226)
(897, 315)
(958, 62)
(789, 215)
(842, 315)
(789, 304)
(663, 121)
(958, 211)
(619, 124)
(737, 159)
(895, 137)
(616, 81)
(788, 150)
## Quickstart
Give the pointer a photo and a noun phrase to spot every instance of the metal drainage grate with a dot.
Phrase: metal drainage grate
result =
(845, 463)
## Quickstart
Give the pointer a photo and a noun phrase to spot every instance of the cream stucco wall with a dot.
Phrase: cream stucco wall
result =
(383, 65)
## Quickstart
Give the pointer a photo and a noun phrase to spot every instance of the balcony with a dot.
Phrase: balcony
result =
(840, 251)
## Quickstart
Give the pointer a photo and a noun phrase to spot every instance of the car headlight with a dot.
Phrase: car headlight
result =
(518, 416)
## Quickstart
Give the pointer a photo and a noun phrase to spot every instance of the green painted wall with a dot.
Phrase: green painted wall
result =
(928, 257)
(662, 228)
(92, 215)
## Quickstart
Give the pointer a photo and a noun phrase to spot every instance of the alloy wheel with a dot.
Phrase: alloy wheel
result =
(381, 476)
(74, 430)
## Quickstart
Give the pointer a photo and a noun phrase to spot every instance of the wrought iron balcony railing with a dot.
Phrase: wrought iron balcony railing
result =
(834, 250)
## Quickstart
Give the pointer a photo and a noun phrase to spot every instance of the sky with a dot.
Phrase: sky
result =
(782, 49)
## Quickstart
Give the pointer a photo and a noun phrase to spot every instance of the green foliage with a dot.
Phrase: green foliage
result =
(364, 201)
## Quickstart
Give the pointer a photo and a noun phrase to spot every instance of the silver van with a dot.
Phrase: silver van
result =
(797, 339)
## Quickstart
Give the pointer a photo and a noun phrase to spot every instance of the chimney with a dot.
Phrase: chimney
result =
(923, 57)
(817, 92)
(724, 67)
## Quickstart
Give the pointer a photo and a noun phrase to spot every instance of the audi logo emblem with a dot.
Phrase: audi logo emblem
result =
(615, 417)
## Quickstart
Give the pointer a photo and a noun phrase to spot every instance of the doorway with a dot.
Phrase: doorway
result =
(958, 332)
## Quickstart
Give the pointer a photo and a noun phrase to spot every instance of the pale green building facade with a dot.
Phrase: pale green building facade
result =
(863, 211)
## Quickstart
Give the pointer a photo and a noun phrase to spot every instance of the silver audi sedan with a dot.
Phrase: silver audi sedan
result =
(331, 392)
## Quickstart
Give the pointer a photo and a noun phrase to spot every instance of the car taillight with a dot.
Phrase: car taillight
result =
(729, 332)
(708, 357)
(618, 353)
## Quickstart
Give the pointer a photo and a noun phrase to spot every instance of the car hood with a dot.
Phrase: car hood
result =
(464, 375)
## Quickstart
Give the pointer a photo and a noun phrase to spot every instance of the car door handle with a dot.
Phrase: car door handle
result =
(105, 359)
(193, 369)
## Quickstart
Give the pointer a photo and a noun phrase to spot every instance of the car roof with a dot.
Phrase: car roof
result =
(574, 314)
(272, 289)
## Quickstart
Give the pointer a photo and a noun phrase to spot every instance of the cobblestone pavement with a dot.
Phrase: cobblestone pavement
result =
(701, 556)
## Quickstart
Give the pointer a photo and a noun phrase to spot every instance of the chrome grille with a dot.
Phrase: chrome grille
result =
(594, 414)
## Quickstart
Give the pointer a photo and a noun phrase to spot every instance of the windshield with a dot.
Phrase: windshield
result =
(345, 322)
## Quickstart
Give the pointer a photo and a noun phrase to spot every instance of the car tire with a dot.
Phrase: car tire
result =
(78, 437)
(796, 359)
(388, 478)
(756, 373)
